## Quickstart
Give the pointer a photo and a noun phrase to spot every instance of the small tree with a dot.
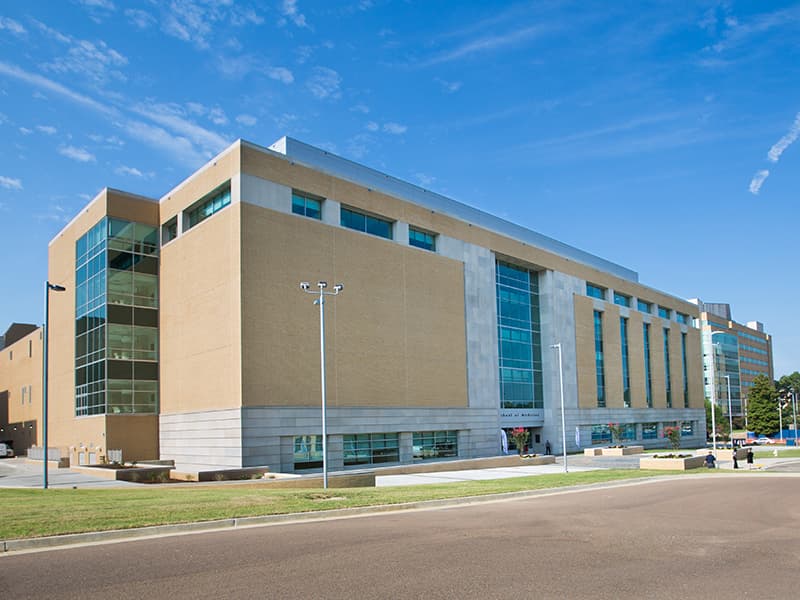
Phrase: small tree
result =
(673, 434)
(520, 436)
(762, 406)
(616, 433)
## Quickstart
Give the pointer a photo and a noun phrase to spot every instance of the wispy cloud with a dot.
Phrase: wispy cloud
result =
(240, 66)
(77, 154)
(324, 83)
(486, 44)
(106, 4)
(246, 120)
(125, 170)
(361, 108)
(178, 146)
(194, 21)
(281, 74)
(11, 25)
(139, 18)
(172, 116)
(758, 181)
(449, 86)
(394, 128)
(48, 129)
(291, 13)
(787, 140)
(10, 183)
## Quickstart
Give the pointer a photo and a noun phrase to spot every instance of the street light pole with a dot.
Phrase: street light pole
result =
(563, 418)
(713, 394)
(730, 412)
(794, 414)
(56, 288)
(321, 302)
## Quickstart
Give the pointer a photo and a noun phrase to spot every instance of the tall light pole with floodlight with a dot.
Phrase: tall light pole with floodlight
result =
(306, 287)
(730, 412)
(563, 418)
(47, 288)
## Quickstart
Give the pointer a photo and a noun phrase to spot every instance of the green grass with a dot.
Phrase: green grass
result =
(35, 513)
(782, 453)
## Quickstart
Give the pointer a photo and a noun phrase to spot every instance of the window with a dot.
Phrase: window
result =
(648, 383)
(644, 307)
(366, 223)
(371, 448)
(601, 434)
(30, 348)
(681, 318)
(216, 201)
(622, 299)
(595, 291)
(649, 431)
(303, 204)
(435, 444)
(421, 239)
(626, 376)
(685, 372)
(664, 313)
(667, 378)
(627, 432)
(598, 359)
(687, 428)
(169, 230)
(307, 452)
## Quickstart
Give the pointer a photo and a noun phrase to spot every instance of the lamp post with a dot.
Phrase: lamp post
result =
(730, 412)
(563, 418)
(714, 348)
(56, 288)
(306, 287)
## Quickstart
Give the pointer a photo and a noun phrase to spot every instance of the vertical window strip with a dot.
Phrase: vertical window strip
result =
(648, 390)
(685, 372)
(598, 359)
(667, 380)
(626, 377)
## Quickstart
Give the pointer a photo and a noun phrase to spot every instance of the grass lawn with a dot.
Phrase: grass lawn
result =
(766, 452)
(37, 512)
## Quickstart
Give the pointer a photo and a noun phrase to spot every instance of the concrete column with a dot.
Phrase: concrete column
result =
(406, 441)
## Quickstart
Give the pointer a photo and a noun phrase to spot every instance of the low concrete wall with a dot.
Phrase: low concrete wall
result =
(220, 474)
(671, 464)
(593, 452)
(624, 451)
(133, 474)
(511, 460)
(724, 453)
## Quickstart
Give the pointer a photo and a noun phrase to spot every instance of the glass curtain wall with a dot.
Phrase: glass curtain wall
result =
(519, 337)
(116, 330)
(721, 358)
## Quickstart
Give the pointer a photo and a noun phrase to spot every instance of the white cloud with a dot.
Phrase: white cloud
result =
(758, 181)
(241, 66)
(193, 21)
(217, 116)
(486, 44)
(373, 126)
(361, 108)
(25, 131)
(97, 60)
(11, 25)
(108, 141)
(787, 140)
(449, 86)
(424, 180)
(78, 154)
(173, 118)
(394, 128)
(48, 129)
(107, 4)
(246, 120)
(9, 183)
(133, 171)
(157, 137)
(281, 74)
(139, 18)
(324, 83)
(290, 11)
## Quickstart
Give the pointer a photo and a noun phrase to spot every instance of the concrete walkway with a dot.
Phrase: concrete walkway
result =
(21, 473)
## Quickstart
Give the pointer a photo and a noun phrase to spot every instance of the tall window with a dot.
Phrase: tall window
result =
(685, 372)
(305, 205)
(366, 223)
(667, 378)
(307, 451)
(648, 382)
(116, 327)
(626, 376)
(598, 359)
(519, 337)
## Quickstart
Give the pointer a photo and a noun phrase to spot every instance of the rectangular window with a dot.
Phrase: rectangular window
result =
(644, 307)
(681, 318)
(307, 452)
(169, 230)
(622, 299)
(667, 378)
(664, 313)
(30, 348)
(685, 363)
(366, 223)
(649, 431)
(601, 434)
(627, 432)
(421, 239)
(305, 205)
(598, 359)
(687, 428)
(595, 291)
(626, 376)
(371, 448)
(214, 203)
(648, 383)
(435, 444)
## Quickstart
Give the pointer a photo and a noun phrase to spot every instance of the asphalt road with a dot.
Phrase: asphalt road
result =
(692, 537)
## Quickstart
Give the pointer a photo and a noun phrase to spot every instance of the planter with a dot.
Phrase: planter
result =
(672, 464)
(624, 451)
(592, 451)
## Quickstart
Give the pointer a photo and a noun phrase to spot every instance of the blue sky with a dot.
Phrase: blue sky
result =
(658, 135)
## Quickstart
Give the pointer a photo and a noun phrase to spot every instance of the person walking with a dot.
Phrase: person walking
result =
(735, 459)
(547, 448)
(711, 460)
(749, 458)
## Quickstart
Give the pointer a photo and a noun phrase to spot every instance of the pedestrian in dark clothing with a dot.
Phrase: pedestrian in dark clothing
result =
(735, 460)
(749, 458)
(547, 447)
(711, 460)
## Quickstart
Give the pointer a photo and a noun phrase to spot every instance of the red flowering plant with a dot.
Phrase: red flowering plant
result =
(520, 436)
(673, 434)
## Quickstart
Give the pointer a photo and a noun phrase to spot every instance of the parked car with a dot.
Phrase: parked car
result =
(762, 440)
(6, 450)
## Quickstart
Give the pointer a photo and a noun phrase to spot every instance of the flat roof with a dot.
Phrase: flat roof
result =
(322, 160)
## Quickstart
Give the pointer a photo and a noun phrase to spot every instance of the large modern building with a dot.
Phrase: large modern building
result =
(733, 355)
(183, 333)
